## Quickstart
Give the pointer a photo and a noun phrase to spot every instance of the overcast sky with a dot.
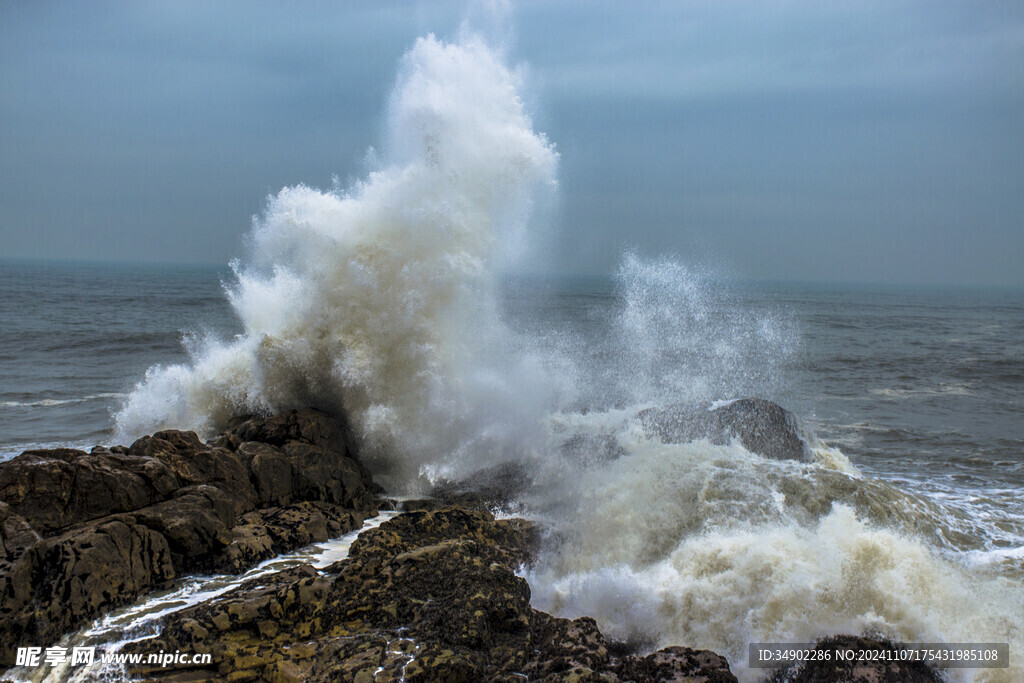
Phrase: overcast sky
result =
(863, 141)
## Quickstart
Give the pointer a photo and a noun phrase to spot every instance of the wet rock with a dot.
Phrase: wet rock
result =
(16, 536)
(74, 577)
(55, 489)
(17, 568)
(490, 488)
(268, 532)
(170, 442)
(762, 427)
(193, 463)
(886, 669)
(270, 471)
(196, 524)
(307, 426)
(575, 645)
(427, 596)
(227, 441)
(321, 474)
(510, 541)
(81, 533)
(677, 665)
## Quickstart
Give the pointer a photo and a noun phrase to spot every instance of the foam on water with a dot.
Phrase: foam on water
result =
(717, 547)
(52, 402)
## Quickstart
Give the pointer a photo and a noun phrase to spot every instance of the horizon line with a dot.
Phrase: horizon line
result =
(738, 279)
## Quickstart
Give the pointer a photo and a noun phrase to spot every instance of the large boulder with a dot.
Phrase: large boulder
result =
(308, 425)
(55, 489)
(763, 427)
(866, 660)
(196, 523)
(73, 577)
(322, 474)
(270, 471)
(195, 463)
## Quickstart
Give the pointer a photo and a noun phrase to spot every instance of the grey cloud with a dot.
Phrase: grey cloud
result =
(847, 140)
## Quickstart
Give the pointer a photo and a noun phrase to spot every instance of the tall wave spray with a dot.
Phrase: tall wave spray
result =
(381, 298)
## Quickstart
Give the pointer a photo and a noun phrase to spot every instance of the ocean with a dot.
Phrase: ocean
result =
(921, 384)
(921, 389)
(388, 299)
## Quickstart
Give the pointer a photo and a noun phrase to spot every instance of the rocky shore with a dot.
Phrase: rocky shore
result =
(430, 595)
(81, 533)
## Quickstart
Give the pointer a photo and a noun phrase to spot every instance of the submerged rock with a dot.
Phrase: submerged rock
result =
(496, 487)
(763, 427)
(81, 533)
(886, 667)
(430, 595)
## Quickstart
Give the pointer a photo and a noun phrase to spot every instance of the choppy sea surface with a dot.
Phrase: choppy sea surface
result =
(915, 382)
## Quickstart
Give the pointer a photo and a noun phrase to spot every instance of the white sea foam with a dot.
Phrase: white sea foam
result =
(53, 402)
(943, 389)
(381, 298)
(716, 547)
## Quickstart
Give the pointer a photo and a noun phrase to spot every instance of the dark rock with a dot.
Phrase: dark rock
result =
(196, 524)
(486, 489)
(271, 531)
(168, 442)
(17, 569)
(76, 576)
(886, 669)
(427, 596)
(321, 474)
(16, 536)
(677, 665)
(762, 427)
(308, 425)
(510, 541)
(230, 442)
(81, 533)
(250, 544)
(55, 489)
(575, 645)
(193, 463)
(270, 471)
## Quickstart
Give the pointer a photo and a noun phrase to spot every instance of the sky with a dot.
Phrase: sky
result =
(871, 141)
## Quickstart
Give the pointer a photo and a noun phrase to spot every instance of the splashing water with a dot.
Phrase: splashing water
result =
(382, 300)
(683, 338)
(716, 547)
